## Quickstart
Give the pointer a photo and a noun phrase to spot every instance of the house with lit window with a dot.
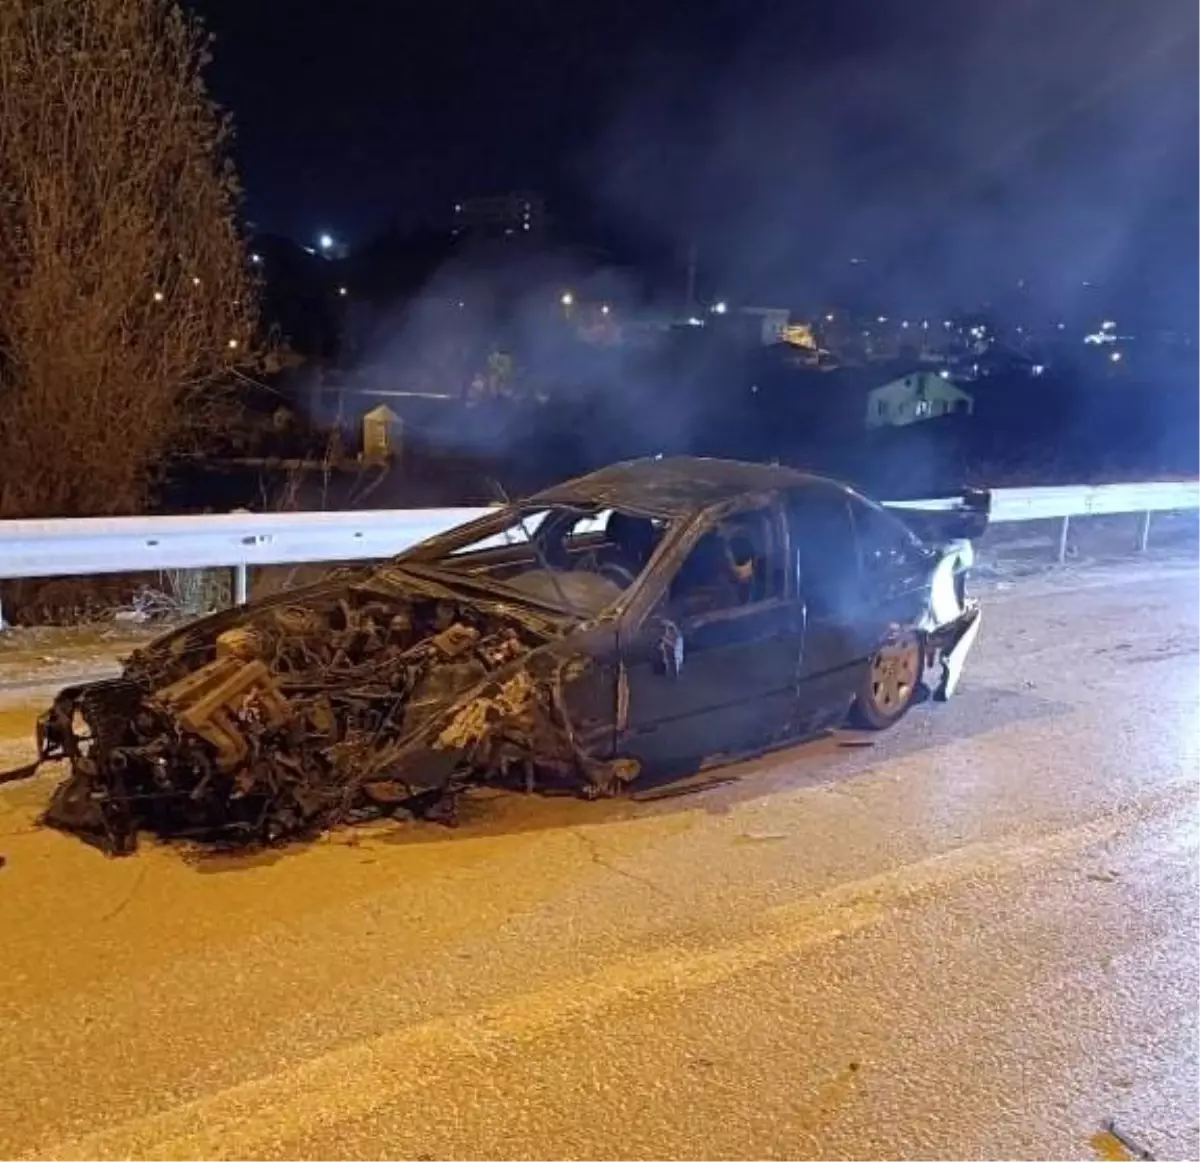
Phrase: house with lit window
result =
(915, 396)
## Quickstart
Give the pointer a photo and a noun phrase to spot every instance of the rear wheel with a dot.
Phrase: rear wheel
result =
(889, 685)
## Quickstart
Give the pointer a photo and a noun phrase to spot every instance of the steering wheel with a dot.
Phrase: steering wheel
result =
(617, 574)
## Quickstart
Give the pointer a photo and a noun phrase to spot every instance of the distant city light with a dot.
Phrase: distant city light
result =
(904, 324)
(1062, 326)
(233, 343)
(829, 318)
(458, 207)
(256, 258)
(947, 324)
(343, 291)
(694, 322)
(1038, 368)
(461, 304)
(604, 308)
(944, 373)
(1115, 357)
(924, 324)
(325, 241)
(881, 319)
(158, 296)
(567, 299)
(195, 282)
(1107, 325)
(720, 307)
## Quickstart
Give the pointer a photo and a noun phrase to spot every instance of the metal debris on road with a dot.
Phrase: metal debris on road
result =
(1135, 1148)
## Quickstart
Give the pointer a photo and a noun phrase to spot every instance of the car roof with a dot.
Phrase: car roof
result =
(676, 486)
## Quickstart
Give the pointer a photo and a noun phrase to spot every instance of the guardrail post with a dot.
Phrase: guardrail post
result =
(241, 584)
(1144, 539)
(1062, 539)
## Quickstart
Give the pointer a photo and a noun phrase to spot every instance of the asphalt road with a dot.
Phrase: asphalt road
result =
(973, 937)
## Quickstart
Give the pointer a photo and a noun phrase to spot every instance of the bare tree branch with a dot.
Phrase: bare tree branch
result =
(126, 301)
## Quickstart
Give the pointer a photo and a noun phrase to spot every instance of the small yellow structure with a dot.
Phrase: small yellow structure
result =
(381, 429)
(799, 335)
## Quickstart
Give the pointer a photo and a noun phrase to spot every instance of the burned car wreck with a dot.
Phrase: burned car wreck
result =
(648, 616)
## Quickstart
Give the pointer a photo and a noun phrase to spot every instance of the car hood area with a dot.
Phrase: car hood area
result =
(381, 692)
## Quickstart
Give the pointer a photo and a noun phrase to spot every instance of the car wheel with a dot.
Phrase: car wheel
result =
(889, 685)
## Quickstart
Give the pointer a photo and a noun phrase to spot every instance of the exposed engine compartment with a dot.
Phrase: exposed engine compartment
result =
(302, 714)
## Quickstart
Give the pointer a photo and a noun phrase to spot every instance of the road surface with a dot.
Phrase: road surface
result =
(973, 937)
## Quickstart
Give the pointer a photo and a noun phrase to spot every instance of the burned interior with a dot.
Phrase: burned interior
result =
(568, 641)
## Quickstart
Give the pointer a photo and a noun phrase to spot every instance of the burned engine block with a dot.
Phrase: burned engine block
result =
(310, 713)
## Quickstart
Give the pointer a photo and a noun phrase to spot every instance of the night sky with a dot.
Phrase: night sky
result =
(948, 142)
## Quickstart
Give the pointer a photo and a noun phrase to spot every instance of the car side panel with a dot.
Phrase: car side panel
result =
(735, 690)
(589, 697)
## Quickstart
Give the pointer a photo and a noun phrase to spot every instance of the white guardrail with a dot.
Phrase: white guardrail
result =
(55, 548)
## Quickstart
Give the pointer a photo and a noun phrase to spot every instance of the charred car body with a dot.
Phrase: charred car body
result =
(647, 616)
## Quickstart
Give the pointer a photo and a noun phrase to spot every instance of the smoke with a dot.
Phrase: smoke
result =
(540, 323)
(956, 148)
(1037, 156)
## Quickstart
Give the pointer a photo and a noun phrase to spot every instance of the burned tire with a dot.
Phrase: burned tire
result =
(889, 685)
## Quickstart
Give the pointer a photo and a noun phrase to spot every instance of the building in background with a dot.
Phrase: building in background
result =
(504, 215)
(917, 396)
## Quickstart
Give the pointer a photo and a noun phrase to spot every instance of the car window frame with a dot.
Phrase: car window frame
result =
(643, 598)
(905, 536)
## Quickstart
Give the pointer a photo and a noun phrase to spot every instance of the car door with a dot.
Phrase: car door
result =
(706, 677)
(838, 638)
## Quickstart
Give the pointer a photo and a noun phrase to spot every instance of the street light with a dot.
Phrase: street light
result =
(325, 241)
(604, 309)
(567, 299)
(720, 307)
